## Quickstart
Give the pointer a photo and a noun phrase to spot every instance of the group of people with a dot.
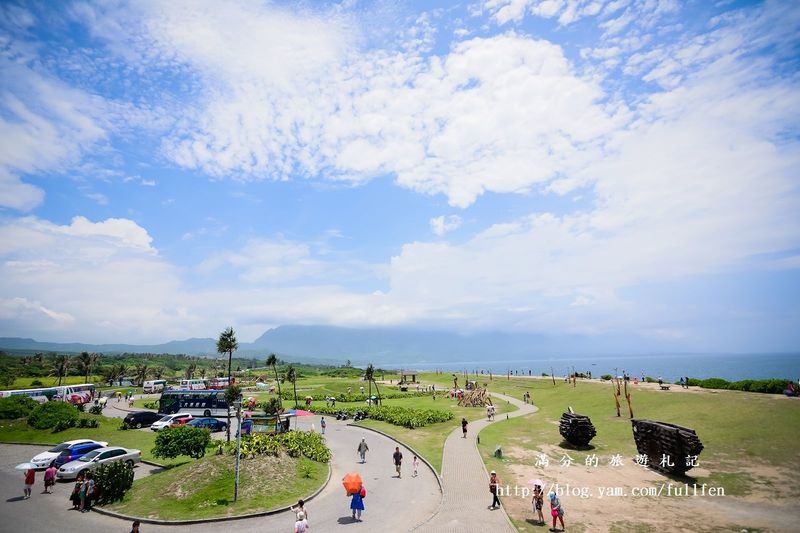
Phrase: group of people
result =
(84, 492)
(526, 397)
(537, 502)
(30, 481)
(491, 410)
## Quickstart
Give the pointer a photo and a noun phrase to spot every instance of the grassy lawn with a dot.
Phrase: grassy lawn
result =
(429, 440)
(20, 431)
(204, 488)
(25, 383)
(740, 431)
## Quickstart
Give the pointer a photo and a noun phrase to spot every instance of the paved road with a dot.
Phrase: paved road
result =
(466, 483)
(391, 505)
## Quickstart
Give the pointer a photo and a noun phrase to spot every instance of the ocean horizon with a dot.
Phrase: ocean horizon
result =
(669, 367)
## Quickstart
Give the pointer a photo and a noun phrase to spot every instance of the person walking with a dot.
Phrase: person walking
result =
(49, 479)
(556, 511)
(363, 449)
(538, 502)
(415, 466)
(357, 502)
(494, 482)
(135, 526)
(464, 428)
(322, 425)
(397, 456)
(30, 479)
(301, 525)
(301, 508)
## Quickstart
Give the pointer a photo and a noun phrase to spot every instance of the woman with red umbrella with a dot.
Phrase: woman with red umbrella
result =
(356, 491)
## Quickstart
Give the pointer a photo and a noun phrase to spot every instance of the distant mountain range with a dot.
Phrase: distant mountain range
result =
(363, 345)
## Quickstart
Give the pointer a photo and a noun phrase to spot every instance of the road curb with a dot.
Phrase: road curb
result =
(156, 521)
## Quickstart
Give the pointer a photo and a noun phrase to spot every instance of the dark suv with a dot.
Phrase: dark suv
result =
(76, 451)
(141, 419)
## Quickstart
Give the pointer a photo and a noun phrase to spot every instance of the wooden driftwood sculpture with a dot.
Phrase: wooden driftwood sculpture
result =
(669, 448)
(576, 429)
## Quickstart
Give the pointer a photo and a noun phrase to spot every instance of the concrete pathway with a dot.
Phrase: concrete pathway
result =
(465, 506)
(392, 504)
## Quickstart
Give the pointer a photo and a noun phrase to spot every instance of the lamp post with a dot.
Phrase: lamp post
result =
(238, 404)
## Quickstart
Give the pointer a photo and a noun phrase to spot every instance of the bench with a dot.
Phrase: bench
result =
(664, 387)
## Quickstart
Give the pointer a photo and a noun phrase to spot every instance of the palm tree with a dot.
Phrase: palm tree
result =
(272, 361)
(190, 370)
(291, 376)
(59, 366)
(227, 344)
(158, 372)
(203, 372)
(86, 362)
(141, 372)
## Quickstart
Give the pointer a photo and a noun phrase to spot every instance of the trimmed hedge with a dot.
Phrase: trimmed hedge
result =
(344, 398)
(181, 440)
(16, 407)
(53, 415)
(767, 386)
(396, 415)
(293, 443)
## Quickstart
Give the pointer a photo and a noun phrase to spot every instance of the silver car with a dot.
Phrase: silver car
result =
(97, 457)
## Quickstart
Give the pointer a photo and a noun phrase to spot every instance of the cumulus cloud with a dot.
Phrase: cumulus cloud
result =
(444, 224)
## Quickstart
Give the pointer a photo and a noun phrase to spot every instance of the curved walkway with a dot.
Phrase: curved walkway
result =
(466, 484)
(392, 504)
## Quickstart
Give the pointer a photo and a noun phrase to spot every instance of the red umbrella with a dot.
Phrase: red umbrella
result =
(351, 482)
(300, 412)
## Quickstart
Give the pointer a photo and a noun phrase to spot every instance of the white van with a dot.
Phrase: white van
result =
(193, 384)
(154, 385)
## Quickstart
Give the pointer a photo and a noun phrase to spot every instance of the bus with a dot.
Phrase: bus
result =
(154, 385)
(192, 384)
(74, 394)
(195, 402)
(220, 383)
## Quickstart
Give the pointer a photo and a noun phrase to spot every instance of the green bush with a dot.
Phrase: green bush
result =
(96, 410)
(112, 480)
(151, 405)
(293, 443)
(16, 407)
(88, 423)
(694, 382)
(49, 415)
(181, 440)
(342, 397)
(393, 414)
(36, 383)
(714, 383)
(61, 425)
(607, 377)
(767, 386)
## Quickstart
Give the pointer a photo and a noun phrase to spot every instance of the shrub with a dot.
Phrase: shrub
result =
(96, 410)
(393, 414)
(293, 443)
(112, 480)
(61, 425)
(694, 382)
(151, 405)
(650, 379)
(88, 423)
(16, 407)
(344, 398)
(606, 377)
(50, 414)
(714, 383)
(272, 406)
(181, 440)
(36, 383)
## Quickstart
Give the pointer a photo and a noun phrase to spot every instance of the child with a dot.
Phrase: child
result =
(301, 509)
(415, 465)
(538, 502)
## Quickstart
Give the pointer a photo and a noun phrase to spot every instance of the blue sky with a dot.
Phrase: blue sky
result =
(569, 167)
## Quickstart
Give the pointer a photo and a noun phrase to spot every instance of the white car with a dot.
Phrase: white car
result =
(178, 419)
(44, 459)
(97, 457)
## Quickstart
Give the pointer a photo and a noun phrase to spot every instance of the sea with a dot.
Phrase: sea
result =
(669, 367)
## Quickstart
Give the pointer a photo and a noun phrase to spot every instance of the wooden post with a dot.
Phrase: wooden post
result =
(628, 399)
(615, 387)
(553, 376)
(574, 378)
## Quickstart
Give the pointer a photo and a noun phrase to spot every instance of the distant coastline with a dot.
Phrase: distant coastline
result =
(670, 367)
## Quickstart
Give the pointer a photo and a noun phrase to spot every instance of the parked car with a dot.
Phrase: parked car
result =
(178, 419)
(97, 457)
(142, 419)
(45, 459)
(212, 424)
(76, 452)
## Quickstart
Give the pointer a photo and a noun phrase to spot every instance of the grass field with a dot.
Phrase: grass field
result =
(25, 383)
(204, 488)
(749, 438)
(19, 431)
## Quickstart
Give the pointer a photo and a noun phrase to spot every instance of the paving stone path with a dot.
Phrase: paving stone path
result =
(465, 506)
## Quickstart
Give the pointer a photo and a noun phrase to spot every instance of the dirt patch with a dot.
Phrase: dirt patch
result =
(606, 498)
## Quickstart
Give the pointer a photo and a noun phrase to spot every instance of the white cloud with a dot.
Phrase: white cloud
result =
(444, 224)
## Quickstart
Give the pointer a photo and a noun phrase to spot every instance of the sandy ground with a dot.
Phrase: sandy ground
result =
(598, 497)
